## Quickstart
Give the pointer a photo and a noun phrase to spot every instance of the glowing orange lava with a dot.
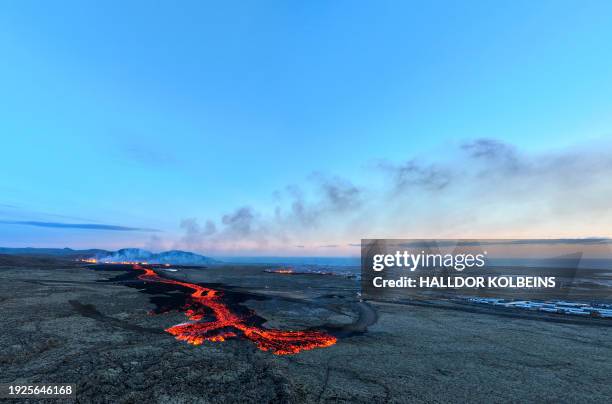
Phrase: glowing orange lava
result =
(229, 325)
(88, 260)
(283, 271)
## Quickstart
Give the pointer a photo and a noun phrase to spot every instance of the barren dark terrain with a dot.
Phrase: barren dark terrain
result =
(72, 324)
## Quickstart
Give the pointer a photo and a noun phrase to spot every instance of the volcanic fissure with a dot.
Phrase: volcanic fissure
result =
(226, 323)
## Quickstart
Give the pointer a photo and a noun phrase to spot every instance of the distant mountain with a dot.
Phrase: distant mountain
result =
(125, 254)
(174, 257)
(181, 257)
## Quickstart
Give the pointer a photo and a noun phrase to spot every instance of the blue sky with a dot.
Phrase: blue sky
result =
(290, 128)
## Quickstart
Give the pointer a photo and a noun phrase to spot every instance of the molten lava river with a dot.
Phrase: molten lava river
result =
(227, 324)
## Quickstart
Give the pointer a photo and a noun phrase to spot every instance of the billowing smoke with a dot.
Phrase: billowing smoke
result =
(486, 188)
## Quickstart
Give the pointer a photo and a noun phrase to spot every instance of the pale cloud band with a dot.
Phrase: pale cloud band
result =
(84, 226)
(481, 189)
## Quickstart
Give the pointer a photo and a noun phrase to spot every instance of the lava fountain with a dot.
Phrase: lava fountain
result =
(227, 324)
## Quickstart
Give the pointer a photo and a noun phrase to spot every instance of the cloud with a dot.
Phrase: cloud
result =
(156, 244)
(492, 242)
(340, 194)
(580, 241)
(483, 188)
(194, 234)
(413, 174)
(491, 149)
(306, 210)
(496, 154)
(499, 191)
(300, 211)
(14, 212)
(86, 226)
(240, 228)
(240, 222)
(331, 196)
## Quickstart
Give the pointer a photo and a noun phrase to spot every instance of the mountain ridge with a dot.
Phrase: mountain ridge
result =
(176, 257)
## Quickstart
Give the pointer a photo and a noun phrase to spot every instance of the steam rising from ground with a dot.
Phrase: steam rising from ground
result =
(482, 188)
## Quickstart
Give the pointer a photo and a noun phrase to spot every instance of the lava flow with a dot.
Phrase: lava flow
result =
(227, 324)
